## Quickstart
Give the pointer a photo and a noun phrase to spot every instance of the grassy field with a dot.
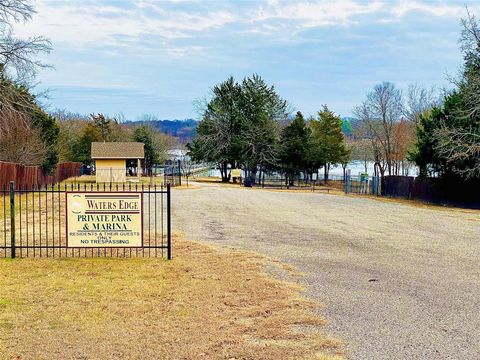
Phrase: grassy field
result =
(203, 304)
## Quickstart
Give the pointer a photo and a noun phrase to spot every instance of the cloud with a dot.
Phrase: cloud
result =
(436, 9)
(312, 14)
(81, 24)
(315, 51)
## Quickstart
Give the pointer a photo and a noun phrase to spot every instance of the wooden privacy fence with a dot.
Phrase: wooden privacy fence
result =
(23, 176)
(449, 191)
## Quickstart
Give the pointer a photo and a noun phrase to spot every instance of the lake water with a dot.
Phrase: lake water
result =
(355, 167)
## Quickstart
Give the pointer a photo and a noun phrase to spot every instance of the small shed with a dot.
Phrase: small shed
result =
(111, 159)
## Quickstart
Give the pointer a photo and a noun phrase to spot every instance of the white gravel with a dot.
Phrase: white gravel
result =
(425, 300)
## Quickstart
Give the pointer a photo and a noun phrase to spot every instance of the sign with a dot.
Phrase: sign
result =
(104, 219)
(236, 173)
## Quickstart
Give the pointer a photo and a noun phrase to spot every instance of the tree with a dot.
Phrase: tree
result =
(21, 112)
(218, 134)
(361, 149)
(379, 113)
(20, 142)
(429, 161)
(294, 147)
(262, 110)
(240, 126)
(419, 100)
(108, 128)
(448, 136)
(18, 57)
(327, 129)
(458, 139)
(71, 126)
(461, 149)
(19, 109)
(186, 165)
(144, 134)
(82, 147)
(49, 132)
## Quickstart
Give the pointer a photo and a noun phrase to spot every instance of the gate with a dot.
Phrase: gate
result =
(34, 222)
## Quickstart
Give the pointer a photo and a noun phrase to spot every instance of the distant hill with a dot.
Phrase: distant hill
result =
(184, 130)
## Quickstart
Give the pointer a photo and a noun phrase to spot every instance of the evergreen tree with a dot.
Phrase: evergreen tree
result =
(144, 134)
(82, 148)
(219, 133)
(294, 147)
(448, 137)
(328, 134)
(262, 109)
(240, 127)
(49, 133)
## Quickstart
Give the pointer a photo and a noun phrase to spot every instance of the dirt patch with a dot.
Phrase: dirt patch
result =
(203, 304)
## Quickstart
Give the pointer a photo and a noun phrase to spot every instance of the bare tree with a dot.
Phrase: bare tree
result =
(19, 57)
(361, 150)
(186, 165)
(17, 10)
(379, 114)
(20, 142)
(419, 100)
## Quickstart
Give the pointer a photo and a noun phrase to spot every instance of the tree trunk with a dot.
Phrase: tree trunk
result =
(253, 175)
(224, 172)
(325, 172)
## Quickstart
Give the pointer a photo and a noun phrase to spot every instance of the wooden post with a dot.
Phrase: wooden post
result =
(12, 219)
(139, 168)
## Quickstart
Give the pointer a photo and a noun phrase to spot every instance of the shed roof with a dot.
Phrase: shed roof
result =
(117, 150)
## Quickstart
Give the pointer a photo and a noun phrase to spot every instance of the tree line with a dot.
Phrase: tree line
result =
(77, 132)
(246, 125)
(439, 132)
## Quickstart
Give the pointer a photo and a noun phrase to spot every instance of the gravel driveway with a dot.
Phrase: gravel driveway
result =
(398, 281)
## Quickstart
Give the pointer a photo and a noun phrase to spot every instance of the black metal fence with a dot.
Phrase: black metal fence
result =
(363, 185)
(33, 221)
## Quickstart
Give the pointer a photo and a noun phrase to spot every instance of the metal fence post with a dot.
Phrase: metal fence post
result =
(179, 173)
(347, 182)
(169, 224)
(12, 219)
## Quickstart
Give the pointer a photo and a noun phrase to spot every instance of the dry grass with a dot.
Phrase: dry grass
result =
(90, 179)
(204, 304)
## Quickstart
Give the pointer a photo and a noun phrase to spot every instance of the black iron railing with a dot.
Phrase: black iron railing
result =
(34, 221)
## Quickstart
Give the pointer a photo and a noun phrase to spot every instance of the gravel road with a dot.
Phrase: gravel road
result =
(398, 281)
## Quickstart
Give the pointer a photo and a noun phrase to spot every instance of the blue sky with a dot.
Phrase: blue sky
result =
(158, 57)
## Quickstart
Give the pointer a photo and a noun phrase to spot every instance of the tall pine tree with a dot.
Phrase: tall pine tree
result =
(294, 147)
(328, 134)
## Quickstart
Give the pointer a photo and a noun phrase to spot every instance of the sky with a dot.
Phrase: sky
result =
(161, 57)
